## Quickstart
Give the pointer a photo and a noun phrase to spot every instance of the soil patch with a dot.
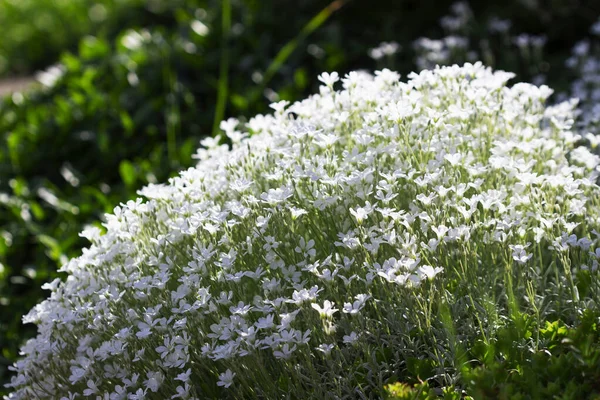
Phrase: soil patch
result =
(14, 84)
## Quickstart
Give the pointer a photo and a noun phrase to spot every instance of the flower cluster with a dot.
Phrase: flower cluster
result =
(453, 47)
(282, 263)
(469, 39)
(385, 49)
(585, 62)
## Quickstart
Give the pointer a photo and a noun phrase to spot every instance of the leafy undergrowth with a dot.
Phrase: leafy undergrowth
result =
(524, 360)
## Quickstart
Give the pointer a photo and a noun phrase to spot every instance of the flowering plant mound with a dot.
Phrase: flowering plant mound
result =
(338, 242)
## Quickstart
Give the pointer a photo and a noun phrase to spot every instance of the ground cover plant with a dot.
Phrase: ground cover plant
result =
(439, 230)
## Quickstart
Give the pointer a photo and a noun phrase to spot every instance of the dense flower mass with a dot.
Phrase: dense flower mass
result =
(585, 62)
(326, 232)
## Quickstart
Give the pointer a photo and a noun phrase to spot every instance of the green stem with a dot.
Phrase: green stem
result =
(287, 50)
(224, 67)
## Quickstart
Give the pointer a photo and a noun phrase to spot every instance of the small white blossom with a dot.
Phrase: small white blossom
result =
(352, 338)
(327, 310)
(226, 378)
(329, 79)
(326, 348)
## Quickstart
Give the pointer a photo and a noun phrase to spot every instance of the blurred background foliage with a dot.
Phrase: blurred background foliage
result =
(129, 88)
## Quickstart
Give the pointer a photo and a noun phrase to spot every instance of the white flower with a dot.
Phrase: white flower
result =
(355, 307)
(361, 213)
(276, 196)
(428, 272)
(226, 378)
(285, 352)
(140, 394)
(327, 310)
(351, 338)
(49, 77)
(304, 295)
(154, 381)
(440, 231)
(329, 78)
(265, 322)
(241, 308)
(384, 49)
(241, 185)
(519, 254)
(306, 248)
(199, 28)
(184, 376)
(92, 388)
(297, 212)
(326, 348)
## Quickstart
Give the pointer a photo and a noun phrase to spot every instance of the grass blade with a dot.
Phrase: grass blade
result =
(289, 48)
(224, 67)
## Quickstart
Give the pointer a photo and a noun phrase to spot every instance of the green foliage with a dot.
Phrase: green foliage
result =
(36, 31)
(565, 364)
(419, 391)
(526, 358)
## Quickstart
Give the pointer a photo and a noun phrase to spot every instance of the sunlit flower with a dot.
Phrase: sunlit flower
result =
(226, 378)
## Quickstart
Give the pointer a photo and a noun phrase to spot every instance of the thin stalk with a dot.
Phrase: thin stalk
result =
(224, 67)
(287, 50)
(172, 117)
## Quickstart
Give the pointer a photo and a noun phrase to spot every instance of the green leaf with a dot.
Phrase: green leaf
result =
(128, 173)
(37, 210)
(127, 123)
(54, 251)
(91, 47)
(301, 78)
